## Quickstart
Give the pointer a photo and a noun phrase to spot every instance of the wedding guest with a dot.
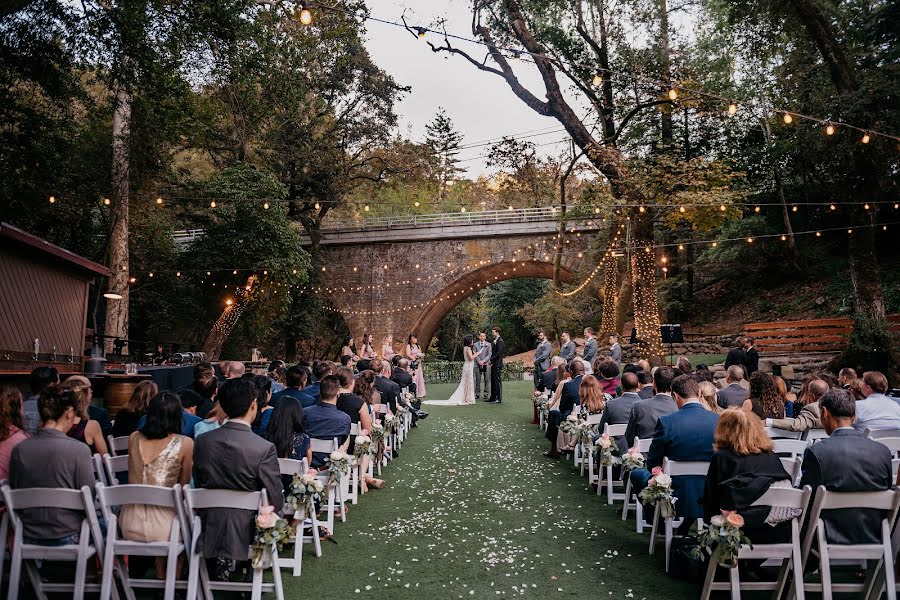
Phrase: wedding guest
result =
(349, 348)
(232, 369)
(413, 353)
(40, 378)
(846, 376)
(232, 457)
(276, 372)
(646, 381)
(387, 348)
(683, 435)
(876, 411)
(618, 410)
(591, 402)
(157, 455)
(787, 397)
(743, 468)
(323, 420)
(645, 413)
(214, 419)
(390, 391)
(733, 394)
(608, 372)
(709, 397)
(295, 378)
(264, 410)
(127, 418)
(751, 362)
(764, 401)
(808, 416)
(12, 425)
(83, 428)
(189, 420)
(51, 459)
(320, 371)
(287, 434)
(203, 388)
(702, 373)
(847, 461)
(644, 365)
(615, 349)
(590, 346)
(566, 347)
(358, 410)
(737, 355)
(549, 377)
(684, 366)
(563, 403)
(402, 377)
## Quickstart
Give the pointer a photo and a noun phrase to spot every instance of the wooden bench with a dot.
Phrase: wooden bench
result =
(805, 337)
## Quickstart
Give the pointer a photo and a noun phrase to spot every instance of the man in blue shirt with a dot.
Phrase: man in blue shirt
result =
(296, 378)
(323, 420)
(188, 415)
(321, 370)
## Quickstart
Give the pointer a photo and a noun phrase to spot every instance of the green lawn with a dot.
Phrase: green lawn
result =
(473, 510)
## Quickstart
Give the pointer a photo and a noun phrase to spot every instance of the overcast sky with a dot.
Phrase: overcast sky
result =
(480, 104)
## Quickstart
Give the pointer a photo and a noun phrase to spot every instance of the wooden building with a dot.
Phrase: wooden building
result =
(43, 296)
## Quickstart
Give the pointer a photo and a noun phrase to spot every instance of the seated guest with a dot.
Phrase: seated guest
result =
(295, 379)
(323, 420)
(645, 413)
(563, 403)
(264, 410)
(321, 370)
(709, 396)
(232, 369)
(41, 377)
(214, 419)
(644, 365)
(684, 435)
(733, 394)
(876, 411)
(12, 425)
(646, 381)
(203, 388)
(684, 365)
(847, 461)
(591, 400)
(276, 373)
(127, 418)
(288, 436)
(84, 429)
(764, 401)
(741, 470)
(189, 419)
(808, 416)
(402, 377)
(345, 360)
(157, 455)
(704, 374)
(51, 459)
(390, 391)
(547, 382)
(232, 457)
(787, 397)
(846, 376)
(608, 372)
(618, 410)
(855, 389)
(358, 410)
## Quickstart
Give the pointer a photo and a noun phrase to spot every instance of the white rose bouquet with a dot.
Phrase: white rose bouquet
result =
(362, 445)
(723, 539)
(659, 490)
(605, 446)
(632, 460)
(304, 488)
(569, 425)
(338, 466)
(272, 531)
(390, 423)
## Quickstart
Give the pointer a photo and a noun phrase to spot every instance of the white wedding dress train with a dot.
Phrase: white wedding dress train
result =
(465, 393)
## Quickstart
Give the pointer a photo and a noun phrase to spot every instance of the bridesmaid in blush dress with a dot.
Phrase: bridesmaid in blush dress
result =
(414, 353)
(387, 349)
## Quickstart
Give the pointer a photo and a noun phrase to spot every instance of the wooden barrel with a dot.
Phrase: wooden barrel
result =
(118, 389)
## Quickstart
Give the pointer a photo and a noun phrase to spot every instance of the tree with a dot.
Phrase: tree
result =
(444, 141)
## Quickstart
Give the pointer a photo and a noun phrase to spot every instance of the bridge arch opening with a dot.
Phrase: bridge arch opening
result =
(470, 283)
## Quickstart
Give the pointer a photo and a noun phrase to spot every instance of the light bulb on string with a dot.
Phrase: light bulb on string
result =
(866, 138)
(829, 129)
(106, 202)
(682, 209)
(306, 16)
(757, 209)
(266, 205)
(212, 204)
(866, 206)
(673, 94)
(722, 207)
(366, 208)
(833, 207)
(794, 208)
(159, 201)
(318, 206)
(597, 80)
(52, 200)
(416, 204)
(732, 108)
(788, 119)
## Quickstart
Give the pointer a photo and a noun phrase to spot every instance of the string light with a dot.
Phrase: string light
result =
(366, 208)
(266, 205)
(212, 204)
(597, 80)
(159, 201)
(673, 94)
(866, 138)
(833, 207)
(794, 208)
(788, 119)
(757, 209)
(106, 201)
(732, 108)
(416, 204)
(306, 16)
(52, 200)
(829, 129)
(317, 206)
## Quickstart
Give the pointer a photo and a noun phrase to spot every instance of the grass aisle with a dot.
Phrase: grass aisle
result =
(472, 510)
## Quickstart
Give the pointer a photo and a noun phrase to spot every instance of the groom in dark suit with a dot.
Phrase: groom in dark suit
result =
(497, 348)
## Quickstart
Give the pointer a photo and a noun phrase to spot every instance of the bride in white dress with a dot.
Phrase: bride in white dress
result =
(465, 393)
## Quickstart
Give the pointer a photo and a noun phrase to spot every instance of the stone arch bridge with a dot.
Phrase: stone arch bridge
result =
(401, 275)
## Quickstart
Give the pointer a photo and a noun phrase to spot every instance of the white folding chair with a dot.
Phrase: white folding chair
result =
(776, 433)
(299, 467)
(674, 468)
(592, 477)
(788, 552)
(113, 466)
(613, 431)
(26, 555)
(892, 443)
(117, 445)
(878, 434)
(99, 469)
(875, 583)
(116, 497)
(352, 486)
(632, 501)
(387, 454)
(792, 465)
(335, 493)
(880, 555)
(789, 446)
(198, 577)
(814, 435)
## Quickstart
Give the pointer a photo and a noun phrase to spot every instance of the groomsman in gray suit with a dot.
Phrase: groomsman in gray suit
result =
(482, 350)
(541, 358)
(566, 347)
(590, 346)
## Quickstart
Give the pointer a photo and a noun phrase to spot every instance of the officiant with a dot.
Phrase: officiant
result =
(482, 349)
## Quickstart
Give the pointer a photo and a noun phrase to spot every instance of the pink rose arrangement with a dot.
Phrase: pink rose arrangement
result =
(723, 539)
(272, 531)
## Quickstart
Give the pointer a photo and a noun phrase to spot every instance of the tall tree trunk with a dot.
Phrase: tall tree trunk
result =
(610, 283)
(665, 62)
(117, 310)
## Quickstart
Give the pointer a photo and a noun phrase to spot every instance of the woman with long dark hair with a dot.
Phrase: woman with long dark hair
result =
(264, 410)
(157, 455)
(12, 425)
(127, 419)
(348, 348)
(84, 429)
(764, 401)
(367, 351)
(285, 431)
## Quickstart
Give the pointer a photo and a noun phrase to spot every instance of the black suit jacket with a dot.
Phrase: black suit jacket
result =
(497, 349)
(389, 391)
(404, 380)
(752, 361)
(848, 461)
(736, 356)
(569, 396)
(232, 457)
(547, 381)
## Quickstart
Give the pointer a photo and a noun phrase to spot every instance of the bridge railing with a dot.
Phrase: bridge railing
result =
(481, 217)
(185, 237)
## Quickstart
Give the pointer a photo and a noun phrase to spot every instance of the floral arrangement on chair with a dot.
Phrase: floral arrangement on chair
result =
(391, 422)
(338, 466)
(659, 491)
(569, 425)
(272, 531)
(605, 446)
(543, 405)
(361, 446)
(303, 488)
(723, 539)
(633, 459)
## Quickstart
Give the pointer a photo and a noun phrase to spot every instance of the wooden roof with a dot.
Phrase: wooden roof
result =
(13, 237)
